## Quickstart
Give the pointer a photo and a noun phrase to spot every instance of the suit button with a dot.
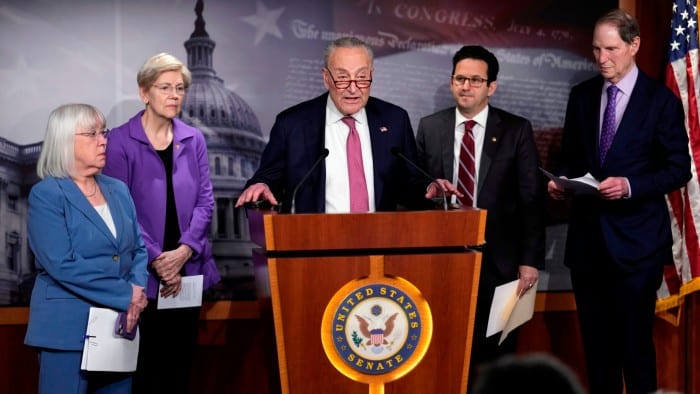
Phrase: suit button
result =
(115, 258)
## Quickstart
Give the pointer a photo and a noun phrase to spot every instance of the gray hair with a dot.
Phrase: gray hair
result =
(627, 26)
(158, 64)
(346, 42)
(57, 158)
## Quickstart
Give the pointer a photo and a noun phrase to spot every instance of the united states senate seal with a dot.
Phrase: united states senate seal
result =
(376, 329)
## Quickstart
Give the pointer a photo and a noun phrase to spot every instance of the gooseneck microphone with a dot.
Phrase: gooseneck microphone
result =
(324, 154)
(397, 152)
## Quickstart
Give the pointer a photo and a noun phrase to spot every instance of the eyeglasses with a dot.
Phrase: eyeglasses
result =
(474, 82)
(166, 88)
(345, 83)
(94, 133)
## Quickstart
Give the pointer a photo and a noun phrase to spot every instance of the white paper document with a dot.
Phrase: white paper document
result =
(189, 296)
(586, 184)
(103, 349)
(508, 310)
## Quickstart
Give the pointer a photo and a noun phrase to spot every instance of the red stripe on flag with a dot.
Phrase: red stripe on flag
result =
(691, 236)
(692, 114)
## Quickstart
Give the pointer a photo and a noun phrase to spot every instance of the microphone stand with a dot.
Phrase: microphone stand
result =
(396, 152)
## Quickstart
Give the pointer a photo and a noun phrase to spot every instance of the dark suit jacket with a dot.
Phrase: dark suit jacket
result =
(509, 186)
(296, 142)
(650, 148)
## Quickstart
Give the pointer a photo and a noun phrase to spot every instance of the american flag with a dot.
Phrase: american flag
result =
(684, 205)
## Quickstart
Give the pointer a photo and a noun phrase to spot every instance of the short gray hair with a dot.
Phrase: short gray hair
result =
(158, 64)
(627, 25)
(57, 158)
(346, 42)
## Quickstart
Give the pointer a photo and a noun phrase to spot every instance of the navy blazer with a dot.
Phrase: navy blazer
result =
(79, 262)
(297, 140)
(650, 149)
(509, 187)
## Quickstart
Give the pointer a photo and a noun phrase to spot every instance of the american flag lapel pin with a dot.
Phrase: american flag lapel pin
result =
(383, 129)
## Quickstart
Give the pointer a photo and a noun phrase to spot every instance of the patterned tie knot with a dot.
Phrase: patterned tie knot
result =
(612, 93)
(469, 126)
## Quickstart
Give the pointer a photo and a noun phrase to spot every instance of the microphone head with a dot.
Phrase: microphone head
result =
(324, 153)
(395, 151)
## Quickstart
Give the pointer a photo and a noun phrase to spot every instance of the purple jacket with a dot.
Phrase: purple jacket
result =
(131, 158)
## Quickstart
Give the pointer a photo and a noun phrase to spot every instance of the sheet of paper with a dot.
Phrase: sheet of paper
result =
(522, 312)
(189, 296)
(508, 310)
(586, 184)
(105, 351)
(504, 299)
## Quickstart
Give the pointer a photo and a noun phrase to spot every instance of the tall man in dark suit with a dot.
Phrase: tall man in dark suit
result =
(506, 183)
(619, 240)
(302, 132)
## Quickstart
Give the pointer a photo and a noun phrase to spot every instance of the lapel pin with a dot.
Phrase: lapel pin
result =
(493, 139)
(383, 129)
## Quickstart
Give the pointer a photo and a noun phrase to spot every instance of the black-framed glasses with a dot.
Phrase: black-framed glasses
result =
(94, 133)
(166, 88)
(474, 82)
(345, 83)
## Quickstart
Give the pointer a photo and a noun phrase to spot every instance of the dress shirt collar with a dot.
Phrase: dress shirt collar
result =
(480, 118)
(627, 82)
(333, 115)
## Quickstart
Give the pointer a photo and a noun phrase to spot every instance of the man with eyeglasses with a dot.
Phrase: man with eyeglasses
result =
(491, 157)
(357, 132)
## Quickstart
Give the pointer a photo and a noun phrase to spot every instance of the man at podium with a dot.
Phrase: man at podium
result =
(369, 144)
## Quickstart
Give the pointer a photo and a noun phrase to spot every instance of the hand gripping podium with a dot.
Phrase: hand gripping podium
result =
(376, 302)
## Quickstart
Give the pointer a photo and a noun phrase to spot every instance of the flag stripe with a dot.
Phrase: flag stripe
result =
(684, 204)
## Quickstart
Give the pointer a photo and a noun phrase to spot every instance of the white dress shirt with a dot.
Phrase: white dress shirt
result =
(337, 179)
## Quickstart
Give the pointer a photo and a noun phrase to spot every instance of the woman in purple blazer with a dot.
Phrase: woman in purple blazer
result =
(164, 163)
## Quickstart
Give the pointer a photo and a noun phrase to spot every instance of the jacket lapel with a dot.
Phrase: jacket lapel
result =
(446, 127)
(492, 141)
(631, 118)
(115, 208)
(592, 106)
(76, 198)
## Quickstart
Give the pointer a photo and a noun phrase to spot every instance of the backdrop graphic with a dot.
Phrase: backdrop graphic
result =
(268, 52)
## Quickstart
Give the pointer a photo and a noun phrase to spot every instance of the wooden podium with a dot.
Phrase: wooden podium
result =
(306, 258)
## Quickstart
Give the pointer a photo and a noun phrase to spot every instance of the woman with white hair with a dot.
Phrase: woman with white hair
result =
(88, 249)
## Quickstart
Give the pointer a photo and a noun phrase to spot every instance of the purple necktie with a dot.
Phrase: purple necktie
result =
(467, 165)
(607, 130)
(359, 200)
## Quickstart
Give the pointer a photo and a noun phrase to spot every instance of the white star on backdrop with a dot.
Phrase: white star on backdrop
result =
(264, 21)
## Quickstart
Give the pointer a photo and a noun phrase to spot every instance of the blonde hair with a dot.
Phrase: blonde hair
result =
(57, 158)
(158, 64)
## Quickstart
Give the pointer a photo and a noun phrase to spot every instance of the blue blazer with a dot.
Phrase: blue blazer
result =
(296, 142)
(79, 262)
(650, 148)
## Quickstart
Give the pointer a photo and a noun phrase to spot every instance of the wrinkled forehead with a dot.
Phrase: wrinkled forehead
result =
(351, 60)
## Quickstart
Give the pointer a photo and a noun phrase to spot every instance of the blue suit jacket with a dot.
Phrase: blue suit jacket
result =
(296, 142)
(79, 262)
(650, 148)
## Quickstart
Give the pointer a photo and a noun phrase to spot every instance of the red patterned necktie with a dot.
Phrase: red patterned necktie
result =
(607, 130)
(359, 200)
(467, 165)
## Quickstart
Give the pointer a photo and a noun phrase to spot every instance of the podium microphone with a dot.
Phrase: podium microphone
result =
(324, 154)
(397, 152)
